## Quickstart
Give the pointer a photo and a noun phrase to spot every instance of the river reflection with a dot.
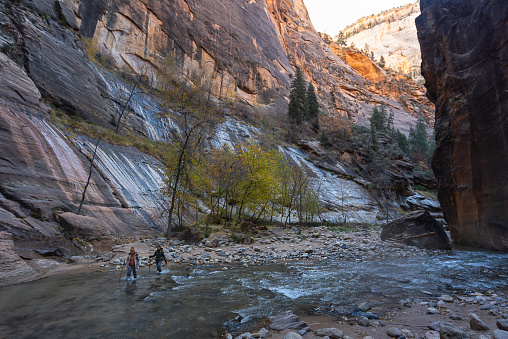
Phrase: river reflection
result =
(202, 302)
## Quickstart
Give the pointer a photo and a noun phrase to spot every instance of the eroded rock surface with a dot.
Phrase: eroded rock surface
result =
(417, 229)
(465, 56)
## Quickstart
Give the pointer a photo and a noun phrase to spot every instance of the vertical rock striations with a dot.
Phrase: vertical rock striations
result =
(465, 63)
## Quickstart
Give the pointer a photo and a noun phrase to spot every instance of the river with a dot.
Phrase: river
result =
(202, 302)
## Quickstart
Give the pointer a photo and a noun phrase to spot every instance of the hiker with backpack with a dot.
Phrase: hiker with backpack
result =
(159, 256)
(132, 262)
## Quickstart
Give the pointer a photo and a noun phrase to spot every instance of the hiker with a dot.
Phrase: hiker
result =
(132, 262)
(159, 255)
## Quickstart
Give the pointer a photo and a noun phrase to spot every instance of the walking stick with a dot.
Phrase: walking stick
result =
(121, 273)
(149, 265)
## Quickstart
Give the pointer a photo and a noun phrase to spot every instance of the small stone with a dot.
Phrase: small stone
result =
(363, 321)
(449, 331)
(476, 323)
(455, 317)
(441, 303)
(263, 332)
(333, 333)
(499, 334)
(394, 332)
(432, 310)
(368, 337)
(432, 335)
(502, 324)
(434, 326)
(446, 298)
(292, 335)
(365, 306)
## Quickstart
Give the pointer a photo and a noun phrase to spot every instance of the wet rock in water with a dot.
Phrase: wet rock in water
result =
(363, 321)
(365, 306)
(502, 324)
(394, 332)
(333, 333)
(449, 331)
(292, 335)
(499, 334)
(286, 320)
(476, 323)
(417, 229)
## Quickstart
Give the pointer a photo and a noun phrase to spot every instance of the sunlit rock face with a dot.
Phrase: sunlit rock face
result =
(465, 56)
(392, 35)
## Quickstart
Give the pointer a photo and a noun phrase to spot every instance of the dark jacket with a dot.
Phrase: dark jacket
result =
(159, 255)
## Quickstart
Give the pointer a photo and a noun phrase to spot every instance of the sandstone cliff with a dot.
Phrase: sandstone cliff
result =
(391, 34)
(251, 48)
(465, 57)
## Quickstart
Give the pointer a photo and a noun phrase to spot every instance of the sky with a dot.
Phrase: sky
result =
(331, 16)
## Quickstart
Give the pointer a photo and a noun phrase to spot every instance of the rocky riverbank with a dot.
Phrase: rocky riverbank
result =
(274, 245)
(471, 315)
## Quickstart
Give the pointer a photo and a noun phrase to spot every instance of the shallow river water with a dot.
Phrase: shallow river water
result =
(202, 302)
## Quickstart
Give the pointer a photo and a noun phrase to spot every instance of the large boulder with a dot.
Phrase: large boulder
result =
(83, 227)
(418, 229)
(464, 57)
(286, 320)
(13, 268)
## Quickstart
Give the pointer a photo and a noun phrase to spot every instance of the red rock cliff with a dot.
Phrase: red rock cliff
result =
(465, 63)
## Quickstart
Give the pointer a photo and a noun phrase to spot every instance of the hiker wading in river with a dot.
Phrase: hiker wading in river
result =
(159, 256)
(132, 262)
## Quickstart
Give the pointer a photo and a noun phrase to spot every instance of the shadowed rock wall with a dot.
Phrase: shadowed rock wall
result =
(465, 63)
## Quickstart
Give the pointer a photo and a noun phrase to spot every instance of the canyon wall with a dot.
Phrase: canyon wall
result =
(392, 35)
(465, 64)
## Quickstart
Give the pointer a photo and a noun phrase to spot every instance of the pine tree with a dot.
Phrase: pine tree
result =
(312, 107)
(378, 119)
(382, 62)
(297, 99)
(418, 143)
(402, 141)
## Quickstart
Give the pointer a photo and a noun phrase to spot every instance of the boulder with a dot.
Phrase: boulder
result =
(499, 334)
(449, 331)
(83, 227)
(502, 324)
(418, 229)
(292, 335)
(14, 269)
(476, 323)
(394, 332)
(286, 320)
(332, 333)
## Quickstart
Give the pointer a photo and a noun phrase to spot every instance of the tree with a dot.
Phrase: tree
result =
(417, 142)
(382, 62)
(187, 103)
(312, 107)
(378, 119)
(297, 99)
(341, 39)
(401, 141)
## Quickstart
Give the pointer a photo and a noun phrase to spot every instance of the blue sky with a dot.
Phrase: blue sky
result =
(331, 16)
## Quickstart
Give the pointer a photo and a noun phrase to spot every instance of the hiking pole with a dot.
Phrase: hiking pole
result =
(121, 273)
(149, 266)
